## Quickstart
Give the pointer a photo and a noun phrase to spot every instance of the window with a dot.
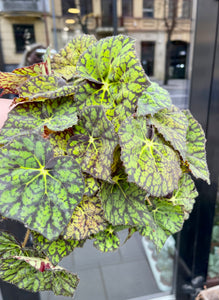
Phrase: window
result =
(107, 13)
(147, 57)
(170, 9)
(24, 35)
(127, 8)
(148, 8)
(186, 9)
(86, 7)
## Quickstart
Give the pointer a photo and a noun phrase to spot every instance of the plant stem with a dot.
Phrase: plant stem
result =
(26, 238)
(148, 200)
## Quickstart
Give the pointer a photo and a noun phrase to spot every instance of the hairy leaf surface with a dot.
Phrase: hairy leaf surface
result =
(26, 276)
(87, 219)
(64, 62)
(195, 154)
(93, 143)
(153, 99)
(55, 250)
(172, 124)
(36, 189)
(57, 115)
(148, 161)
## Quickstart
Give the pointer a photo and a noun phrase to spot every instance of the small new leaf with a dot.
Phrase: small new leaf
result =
(107, 240)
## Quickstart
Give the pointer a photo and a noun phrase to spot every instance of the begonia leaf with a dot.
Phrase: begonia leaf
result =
(172, 124)
(87, 219)
(64, 62)
(57, 115)
(33, 70)
(40, 88)
(195, 152)
(93, 143)
(91, 186)
(35, 274)
(10, 82)
(185, 194)
(9, 245)
(149, 161)
(114, 77)
(59, 141)
(57, 249)
(107, 240)
(124, 204)
(153, 99)
(37, 189)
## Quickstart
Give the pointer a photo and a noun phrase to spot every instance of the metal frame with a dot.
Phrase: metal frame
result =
(195, 238)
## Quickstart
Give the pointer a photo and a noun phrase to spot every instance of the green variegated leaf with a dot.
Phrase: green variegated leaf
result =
(35, 188)
(167, 216)
(148, 160)
(87, 219)
(155, 234)
(124, 204)
(40, 88)
(64, 62)
(9, 245)
(185, 195)
(107, 240)
(172, 124)
(57, 115)
(195, 152)
(113, 76)
(40, 277)
(153, 99)
(93, 143)
(55, 250)
(91, 186)
(59, 141)
(10, 82)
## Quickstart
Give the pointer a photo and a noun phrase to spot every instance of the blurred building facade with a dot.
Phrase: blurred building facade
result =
(23, 22)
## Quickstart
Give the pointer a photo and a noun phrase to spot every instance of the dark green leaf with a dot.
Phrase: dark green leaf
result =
(87, 219)
(55, 250)
(148, 160)
(153, 99)
(57, 115)
(93, 143)
(39, 191)
(64, 62)
(9, 245)
(195, 154)
(35, 274)
(172, 124)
